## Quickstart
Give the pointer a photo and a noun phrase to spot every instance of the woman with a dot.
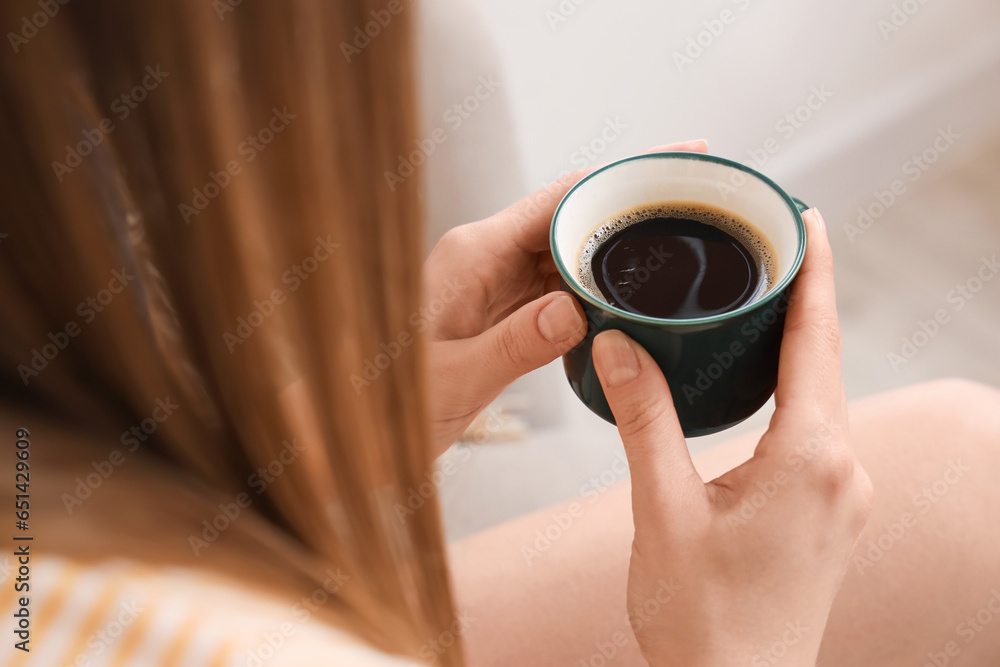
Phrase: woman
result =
(202, 252)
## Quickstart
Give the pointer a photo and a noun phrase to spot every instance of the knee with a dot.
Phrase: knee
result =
(951, 412)
(960, 397)
(961, 386)
(966, 409)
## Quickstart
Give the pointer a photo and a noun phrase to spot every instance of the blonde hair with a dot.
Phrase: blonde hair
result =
(179, 160)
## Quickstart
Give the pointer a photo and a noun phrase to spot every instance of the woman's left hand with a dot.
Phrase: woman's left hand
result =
(493, 309)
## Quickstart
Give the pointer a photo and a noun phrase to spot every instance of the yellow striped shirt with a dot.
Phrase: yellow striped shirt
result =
(119, 613)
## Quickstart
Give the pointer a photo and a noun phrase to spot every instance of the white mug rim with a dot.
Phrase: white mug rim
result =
(773, 293)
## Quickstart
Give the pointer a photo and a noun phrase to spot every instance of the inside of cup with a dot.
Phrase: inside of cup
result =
(658, 178)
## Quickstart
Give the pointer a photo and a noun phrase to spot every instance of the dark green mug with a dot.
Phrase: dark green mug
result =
(720, 369)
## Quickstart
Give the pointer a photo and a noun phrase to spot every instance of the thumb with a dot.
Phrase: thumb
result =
(530, 337)
(659, 461)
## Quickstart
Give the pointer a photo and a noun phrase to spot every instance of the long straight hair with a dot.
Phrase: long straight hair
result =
(195, 207)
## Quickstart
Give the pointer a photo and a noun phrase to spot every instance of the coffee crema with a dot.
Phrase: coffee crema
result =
(677, 260)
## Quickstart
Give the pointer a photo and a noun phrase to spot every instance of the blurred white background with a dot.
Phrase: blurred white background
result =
(900, 90)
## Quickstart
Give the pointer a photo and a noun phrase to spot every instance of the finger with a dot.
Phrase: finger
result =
(809, 373)
(525, 225)
(637, 392)
(538, 282)
(530, 337)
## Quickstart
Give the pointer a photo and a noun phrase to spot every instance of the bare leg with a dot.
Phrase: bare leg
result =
(923, 588)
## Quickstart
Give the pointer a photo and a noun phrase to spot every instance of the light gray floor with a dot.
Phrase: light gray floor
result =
(898, 273)
(902, 271)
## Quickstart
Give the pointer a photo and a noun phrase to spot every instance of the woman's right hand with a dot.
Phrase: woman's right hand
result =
(743, 569)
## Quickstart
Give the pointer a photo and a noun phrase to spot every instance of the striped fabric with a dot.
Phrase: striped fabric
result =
(117, 614)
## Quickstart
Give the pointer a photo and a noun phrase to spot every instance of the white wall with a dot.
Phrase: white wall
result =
(606, 59)
(613, 59)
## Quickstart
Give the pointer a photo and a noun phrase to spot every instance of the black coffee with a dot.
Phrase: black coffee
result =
(680, 261)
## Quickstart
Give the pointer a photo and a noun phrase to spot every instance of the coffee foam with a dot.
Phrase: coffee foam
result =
(737, 227)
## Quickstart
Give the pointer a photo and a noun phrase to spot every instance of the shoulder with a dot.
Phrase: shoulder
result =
(119, 612)
(111, 577)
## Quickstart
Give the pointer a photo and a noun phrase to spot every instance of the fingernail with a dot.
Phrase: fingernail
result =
(559, 320)
(819, 220)
(616, 357)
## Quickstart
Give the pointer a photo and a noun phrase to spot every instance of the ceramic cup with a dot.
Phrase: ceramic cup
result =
(720, 369)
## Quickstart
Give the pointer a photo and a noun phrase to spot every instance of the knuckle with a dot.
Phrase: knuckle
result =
(509, 346)
(833, 469)
(456, 239)
(638, 416)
